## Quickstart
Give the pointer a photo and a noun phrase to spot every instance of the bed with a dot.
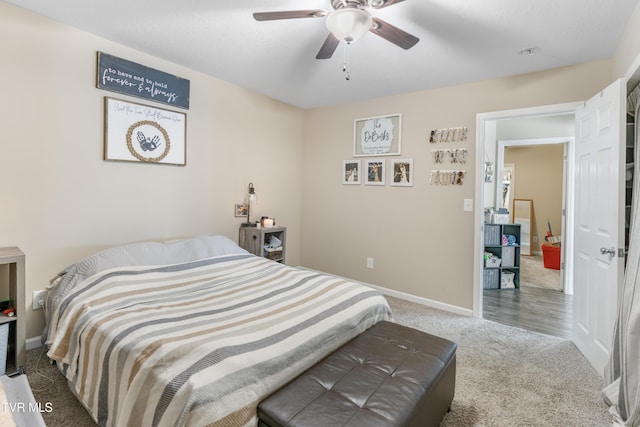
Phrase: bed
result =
(194, 332)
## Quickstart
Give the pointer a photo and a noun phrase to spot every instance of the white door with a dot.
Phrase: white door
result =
(599, 221)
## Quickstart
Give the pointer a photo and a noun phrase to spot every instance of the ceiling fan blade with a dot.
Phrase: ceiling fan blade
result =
(387, 3)
(393, 34)
(289, 14)
(328, 47)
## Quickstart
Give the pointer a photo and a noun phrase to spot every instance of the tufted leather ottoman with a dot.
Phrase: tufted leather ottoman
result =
(389, 375)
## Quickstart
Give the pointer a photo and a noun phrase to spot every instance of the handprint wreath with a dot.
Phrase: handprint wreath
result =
(148, 141)
(148, 144)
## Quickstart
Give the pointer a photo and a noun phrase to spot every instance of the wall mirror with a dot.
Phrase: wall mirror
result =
(508, 184)
(522, 213)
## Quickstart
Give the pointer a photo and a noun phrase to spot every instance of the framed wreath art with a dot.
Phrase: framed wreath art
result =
(142, 133)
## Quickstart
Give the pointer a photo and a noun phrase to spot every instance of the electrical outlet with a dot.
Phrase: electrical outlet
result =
(38, 300)
(369, 262)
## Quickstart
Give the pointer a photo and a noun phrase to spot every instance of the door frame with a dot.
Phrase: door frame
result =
(483, 131)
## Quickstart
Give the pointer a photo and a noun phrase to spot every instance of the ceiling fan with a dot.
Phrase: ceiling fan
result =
(347, 23)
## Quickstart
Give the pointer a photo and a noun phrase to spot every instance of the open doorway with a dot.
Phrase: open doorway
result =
(509, 138)
(535, 170)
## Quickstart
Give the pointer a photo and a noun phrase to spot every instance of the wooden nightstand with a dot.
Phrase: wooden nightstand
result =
(257, 239)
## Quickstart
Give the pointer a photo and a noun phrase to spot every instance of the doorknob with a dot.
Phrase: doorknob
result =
(611, 251)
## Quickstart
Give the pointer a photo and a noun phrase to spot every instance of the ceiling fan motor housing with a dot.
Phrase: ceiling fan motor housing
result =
(350, 4)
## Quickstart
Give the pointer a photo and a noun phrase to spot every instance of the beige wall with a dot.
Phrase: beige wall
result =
(628, 48)
(420, 237)
(538, 176)
(61, 201)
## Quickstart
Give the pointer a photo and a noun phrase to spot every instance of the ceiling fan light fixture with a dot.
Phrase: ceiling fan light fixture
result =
(349, 25)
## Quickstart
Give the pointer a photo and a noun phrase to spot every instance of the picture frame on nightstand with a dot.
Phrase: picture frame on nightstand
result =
(241, 210)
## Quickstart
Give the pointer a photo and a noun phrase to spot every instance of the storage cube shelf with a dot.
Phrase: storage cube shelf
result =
(502, 270)
(12, 341)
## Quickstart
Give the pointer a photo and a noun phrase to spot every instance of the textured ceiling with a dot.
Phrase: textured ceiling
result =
(460, 41)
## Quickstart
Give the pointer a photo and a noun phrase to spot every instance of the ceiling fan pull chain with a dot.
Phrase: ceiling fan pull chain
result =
(345, 66)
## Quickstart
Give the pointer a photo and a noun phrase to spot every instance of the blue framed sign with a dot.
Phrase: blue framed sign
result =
(122, 76)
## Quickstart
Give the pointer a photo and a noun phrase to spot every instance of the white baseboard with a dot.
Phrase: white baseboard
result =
(424, 301)
(32, 343)
(409, 297)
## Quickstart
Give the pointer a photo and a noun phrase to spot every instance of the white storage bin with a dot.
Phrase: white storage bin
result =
(500, 218)
(507, 280)
(492, 261)
(508, 256)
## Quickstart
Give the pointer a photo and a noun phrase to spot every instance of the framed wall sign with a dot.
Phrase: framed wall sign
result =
(122, 76)
(377, 136)
(141, 133)
(375, 172)
(351, 172)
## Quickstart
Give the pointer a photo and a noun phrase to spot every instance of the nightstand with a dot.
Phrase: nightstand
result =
(257, 241)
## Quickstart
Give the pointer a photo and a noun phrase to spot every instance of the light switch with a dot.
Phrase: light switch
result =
(468, 205)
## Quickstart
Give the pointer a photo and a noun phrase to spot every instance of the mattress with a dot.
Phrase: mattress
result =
(200, 342)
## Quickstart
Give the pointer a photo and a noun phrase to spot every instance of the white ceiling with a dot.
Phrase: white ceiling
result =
(460, 41)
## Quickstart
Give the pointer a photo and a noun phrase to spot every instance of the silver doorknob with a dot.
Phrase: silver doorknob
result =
(608, 251)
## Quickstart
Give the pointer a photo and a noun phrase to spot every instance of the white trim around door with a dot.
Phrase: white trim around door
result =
(483, 129)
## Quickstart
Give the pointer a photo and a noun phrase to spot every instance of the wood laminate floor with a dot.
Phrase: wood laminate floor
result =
(542, 310)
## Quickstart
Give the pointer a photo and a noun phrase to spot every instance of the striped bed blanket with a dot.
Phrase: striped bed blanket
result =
(203, 342)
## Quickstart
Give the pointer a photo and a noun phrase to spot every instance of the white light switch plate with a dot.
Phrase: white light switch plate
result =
(468, 205)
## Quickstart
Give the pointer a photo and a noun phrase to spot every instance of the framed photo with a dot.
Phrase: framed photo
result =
(401, 173)
(142, 133)
(377, 136)
(241, 209)
(351, 172)
(375, 172)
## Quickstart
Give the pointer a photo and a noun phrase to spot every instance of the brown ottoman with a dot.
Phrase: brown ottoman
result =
(389, 375)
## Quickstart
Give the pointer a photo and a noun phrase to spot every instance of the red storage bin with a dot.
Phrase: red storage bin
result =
(551, 256)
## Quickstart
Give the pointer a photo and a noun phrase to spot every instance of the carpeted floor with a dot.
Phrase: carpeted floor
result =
(533, 273)
(52, 388)
(505, 376)
(509, 377)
